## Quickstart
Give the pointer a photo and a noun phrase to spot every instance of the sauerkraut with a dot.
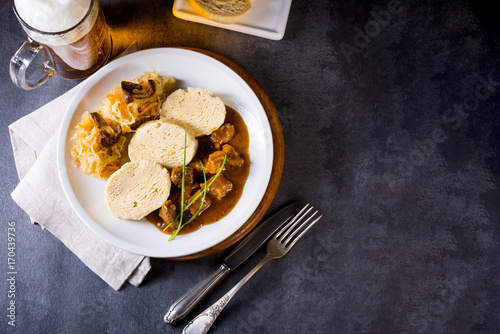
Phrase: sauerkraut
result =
(88, 153)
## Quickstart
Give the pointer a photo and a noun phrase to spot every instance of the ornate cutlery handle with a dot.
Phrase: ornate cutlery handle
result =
(181, 307)
(203, 322)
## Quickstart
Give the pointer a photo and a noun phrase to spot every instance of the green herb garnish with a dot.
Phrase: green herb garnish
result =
(204, 192)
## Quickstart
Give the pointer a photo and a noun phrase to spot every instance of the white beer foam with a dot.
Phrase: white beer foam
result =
(52, 15)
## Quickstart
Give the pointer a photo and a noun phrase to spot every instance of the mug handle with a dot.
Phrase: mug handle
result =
(20, 62)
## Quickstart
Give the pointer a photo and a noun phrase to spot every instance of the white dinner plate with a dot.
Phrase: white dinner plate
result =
(267, 18)
(190, 69)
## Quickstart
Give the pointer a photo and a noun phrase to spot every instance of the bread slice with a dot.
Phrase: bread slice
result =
(162, 141)
(199, 109)
(137, 189)
(223, 11)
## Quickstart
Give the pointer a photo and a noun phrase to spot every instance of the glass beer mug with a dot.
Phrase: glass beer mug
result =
(71, 38)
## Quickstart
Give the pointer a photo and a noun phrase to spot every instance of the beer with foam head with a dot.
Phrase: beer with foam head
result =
(74, 33)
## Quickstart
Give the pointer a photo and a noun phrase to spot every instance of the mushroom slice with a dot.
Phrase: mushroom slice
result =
(106, 140)
(132, 90)
(144, 120)
(107, 136)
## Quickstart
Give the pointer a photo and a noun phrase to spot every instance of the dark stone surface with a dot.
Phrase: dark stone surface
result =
(392, 134)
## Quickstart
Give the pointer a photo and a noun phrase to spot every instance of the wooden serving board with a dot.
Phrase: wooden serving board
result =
(278, 160)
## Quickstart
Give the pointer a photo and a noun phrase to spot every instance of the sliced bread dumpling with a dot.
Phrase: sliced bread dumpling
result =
(196, 107)
(137, 189)
(162, 141)
(223, 11)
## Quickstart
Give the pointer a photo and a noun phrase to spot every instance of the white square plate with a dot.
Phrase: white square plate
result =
(267, 19)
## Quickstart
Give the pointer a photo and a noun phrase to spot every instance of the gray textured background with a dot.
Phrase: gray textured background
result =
(382, 133)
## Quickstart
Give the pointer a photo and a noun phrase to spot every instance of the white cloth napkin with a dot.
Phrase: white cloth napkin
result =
(40, 194)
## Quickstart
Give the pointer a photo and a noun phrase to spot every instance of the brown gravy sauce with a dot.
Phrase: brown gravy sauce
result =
(238, 176)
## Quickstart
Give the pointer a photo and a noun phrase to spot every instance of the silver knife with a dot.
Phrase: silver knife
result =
(181, 307)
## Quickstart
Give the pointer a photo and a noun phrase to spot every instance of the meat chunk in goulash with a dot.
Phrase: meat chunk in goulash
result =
(215, 160)
(222, 135)
(220, 186)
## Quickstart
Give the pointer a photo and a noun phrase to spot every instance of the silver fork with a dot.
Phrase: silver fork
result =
(278, 246)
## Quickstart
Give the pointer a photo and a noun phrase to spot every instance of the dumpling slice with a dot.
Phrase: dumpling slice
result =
(137, 189)
(196, 107)
(162, 141)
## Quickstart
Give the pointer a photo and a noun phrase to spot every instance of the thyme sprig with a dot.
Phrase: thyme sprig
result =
(203, 192)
